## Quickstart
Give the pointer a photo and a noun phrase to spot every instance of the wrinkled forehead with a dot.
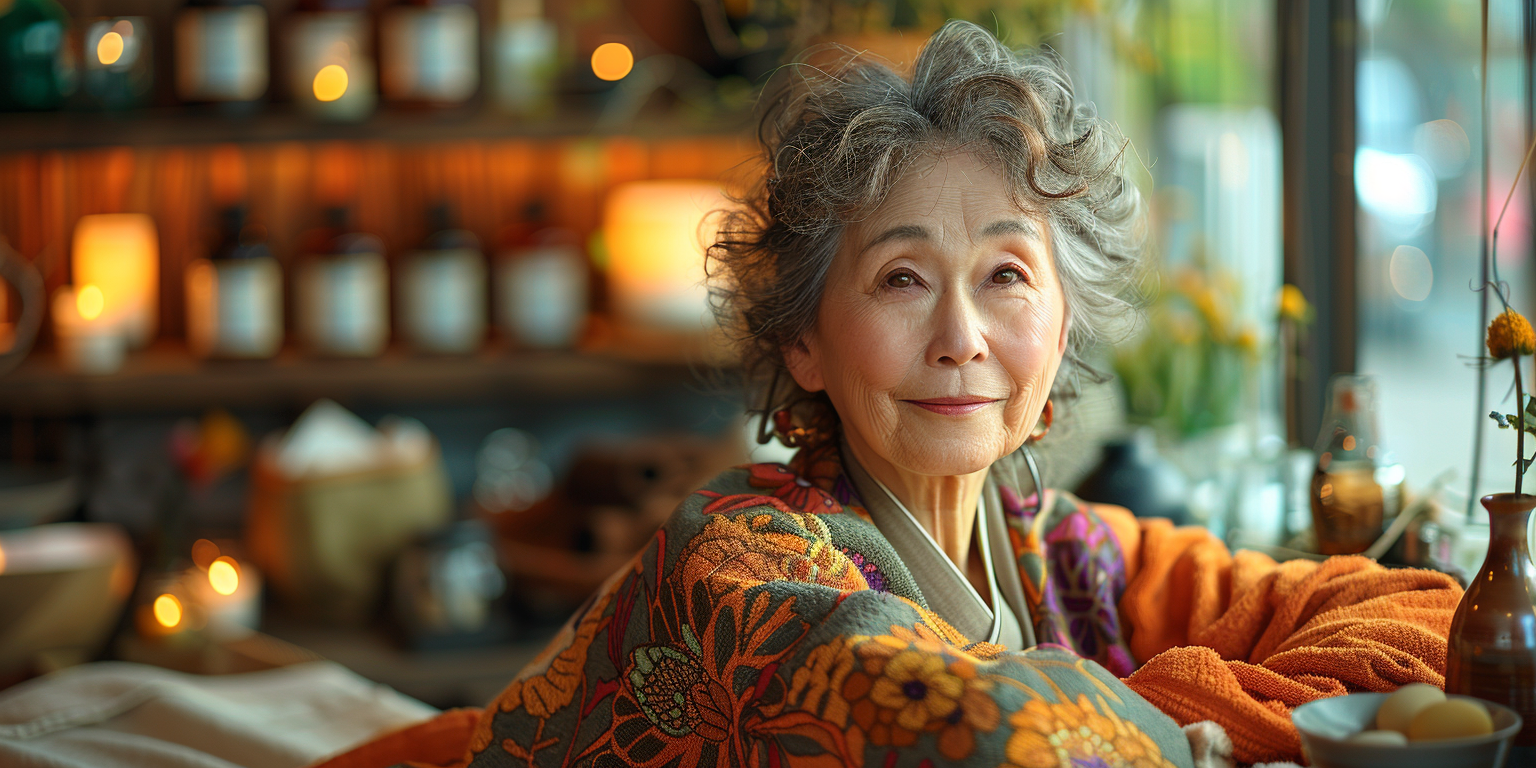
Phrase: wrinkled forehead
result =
(944, 195)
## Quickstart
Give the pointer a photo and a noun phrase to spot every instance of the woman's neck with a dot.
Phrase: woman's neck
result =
(945, 505)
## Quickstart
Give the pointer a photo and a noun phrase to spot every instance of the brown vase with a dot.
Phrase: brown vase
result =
(1492, 653)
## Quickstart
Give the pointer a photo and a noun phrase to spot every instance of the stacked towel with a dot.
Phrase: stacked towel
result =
(1241, 640)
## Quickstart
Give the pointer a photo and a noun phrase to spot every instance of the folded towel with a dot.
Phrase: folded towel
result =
(1240, 640)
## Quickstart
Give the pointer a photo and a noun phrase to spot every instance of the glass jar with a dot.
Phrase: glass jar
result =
(430, 52)
(442, 290)
(526, 59)
(221, 51)
(119, 65)
(235, 296)
(37, 70)
(330, 59)
(343, 292)
(541, 291)
(1354, 485)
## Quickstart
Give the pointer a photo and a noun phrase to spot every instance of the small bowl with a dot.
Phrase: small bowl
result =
(1326, 723)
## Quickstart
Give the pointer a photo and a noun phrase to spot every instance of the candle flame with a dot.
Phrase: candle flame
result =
(330, 82)
(109, 49)
(90, 302)
(223, 576)
(168, 610)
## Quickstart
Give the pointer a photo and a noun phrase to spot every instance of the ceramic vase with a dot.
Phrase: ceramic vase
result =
(1492, 643)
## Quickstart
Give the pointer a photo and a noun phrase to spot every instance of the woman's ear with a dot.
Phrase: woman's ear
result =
(803, 358)
(1066, 328)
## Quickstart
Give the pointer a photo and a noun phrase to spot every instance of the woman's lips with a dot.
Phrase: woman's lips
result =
(953, 406)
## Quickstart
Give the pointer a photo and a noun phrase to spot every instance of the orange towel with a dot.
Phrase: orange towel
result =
(1241, 640)
(429, 744)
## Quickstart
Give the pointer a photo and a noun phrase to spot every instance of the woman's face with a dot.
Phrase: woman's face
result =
(941, 325)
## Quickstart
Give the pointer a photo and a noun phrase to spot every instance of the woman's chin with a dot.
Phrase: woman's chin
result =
(949, 454)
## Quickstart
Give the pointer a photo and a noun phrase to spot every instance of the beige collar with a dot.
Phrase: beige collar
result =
(943, 587)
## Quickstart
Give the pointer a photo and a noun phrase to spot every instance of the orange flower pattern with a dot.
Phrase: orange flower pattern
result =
(750, 631)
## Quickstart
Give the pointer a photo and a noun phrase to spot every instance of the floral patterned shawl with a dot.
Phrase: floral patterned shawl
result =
(769, 623)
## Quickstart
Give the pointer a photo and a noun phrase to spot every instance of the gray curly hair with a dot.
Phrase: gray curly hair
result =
(835, 139)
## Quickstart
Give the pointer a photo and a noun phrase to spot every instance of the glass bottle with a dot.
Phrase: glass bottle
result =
(541, 284)
(330, 59)
(235, 296)
(221, 51)
(37, 70)
(343, 291)
(442, 289)
(1491, 652)
(119, 61)
(1354, 487)
(430, 52)
(526, 59)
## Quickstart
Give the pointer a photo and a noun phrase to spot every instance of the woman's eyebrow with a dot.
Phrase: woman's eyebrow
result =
(1008, 227)
(903, 232)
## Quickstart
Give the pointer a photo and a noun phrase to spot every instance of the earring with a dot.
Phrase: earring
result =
(1043, 426)
(792, 436)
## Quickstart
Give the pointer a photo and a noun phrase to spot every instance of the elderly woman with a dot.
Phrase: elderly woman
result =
(921, 271)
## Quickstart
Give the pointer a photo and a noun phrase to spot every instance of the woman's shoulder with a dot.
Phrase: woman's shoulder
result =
(775, 486)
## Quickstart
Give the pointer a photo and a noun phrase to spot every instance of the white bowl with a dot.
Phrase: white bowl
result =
(62, 587)
(1326, 723)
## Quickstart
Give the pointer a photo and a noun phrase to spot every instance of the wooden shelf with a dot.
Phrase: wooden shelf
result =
(274, 123)
(167, 379)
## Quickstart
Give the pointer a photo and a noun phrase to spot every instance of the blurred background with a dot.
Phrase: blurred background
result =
(376, 330)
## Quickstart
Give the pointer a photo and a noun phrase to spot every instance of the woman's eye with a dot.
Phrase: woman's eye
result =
(899, 280)
(1007, 276)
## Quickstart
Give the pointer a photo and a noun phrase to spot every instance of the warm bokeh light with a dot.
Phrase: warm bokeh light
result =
(330, 82)
(168, 611)
(90, 302)
(119, 253)
(612, 61)
(656, 231)
(204, 552)
(223, 576)
(2, 559)
(110, 48)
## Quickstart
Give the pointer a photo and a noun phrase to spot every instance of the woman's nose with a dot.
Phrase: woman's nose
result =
(957, 332)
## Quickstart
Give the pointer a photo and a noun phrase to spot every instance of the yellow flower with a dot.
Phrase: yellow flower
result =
(1510, 334)
(1293, 305)
(1248, 340)
(1048, 735)
(918, 687)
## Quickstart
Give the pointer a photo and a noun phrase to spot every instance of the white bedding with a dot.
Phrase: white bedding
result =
(132, 715)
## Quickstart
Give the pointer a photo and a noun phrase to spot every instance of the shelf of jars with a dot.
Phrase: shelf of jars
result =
(166, 377)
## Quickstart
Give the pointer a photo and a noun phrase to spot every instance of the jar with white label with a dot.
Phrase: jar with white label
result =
(330, 59)
(541, 291)
(342, 289)
(221, 51)
(442, 290)
(430, 52)
(235, 296)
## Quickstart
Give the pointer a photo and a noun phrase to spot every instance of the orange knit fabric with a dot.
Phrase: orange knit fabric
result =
(1240, 640)
(433, 743)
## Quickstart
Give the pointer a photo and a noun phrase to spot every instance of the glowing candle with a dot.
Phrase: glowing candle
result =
(167, 611)
(656, 239)
(90, 339)
(120, 254)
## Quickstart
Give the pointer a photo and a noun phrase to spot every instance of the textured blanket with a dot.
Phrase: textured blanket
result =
(1241, 640)
(769, 623)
